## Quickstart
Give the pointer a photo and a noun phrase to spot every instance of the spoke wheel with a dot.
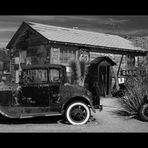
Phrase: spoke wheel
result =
(144, 112)
(78, 113)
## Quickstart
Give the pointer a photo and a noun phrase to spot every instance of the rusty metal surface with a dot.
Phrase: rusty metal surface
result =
(40, 99)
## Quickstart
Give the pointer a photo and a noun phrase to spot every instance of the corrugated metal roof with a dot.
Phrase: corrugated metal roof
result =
(68, 35)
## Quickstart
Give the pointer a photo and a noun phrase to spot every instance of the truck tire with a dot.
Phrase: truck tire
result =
(77, 113)
(144, 112)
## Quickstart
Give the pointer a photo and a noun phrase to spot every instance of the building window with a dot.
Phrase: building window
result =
(136, 61)
(22, 56)
(54, 55)
(66, 55)
(130, 61)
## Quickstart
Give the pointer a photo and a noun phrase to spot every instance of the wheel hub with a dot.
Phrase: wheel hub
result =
(78, 114)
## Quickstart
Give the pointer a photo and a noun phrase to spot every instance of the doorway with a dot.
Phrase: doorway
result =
(104, 79)
(100, 71)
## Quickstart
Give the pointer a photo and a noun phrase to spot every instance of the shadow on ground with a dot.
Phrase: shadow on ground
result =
(39, 120)
(35, 120)
(122, 113)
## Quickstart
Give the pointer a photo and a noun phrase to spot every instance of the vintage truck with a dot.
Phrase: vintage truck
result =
(43, 91)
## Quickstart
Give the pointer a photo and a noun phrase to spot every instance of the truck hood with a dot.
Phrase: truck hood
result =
(69, 90)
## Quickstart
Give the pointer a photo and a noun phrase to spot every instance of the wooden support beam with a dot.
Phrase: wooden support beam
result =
(119, 65)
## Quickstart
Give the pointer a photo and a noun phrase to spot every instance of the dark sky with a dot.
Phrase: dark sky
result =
(113, 24)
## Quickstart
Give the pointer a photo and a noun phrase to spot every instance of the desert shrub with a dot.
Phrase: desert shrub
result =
(136, 94)
(75, 71)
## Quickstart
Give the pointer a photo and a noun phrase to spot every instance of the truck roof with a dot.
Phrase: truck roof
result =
(42, 66)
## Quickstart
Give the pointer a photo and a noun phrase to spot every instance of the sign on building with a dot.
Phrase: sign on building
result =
(84, 55)
(132, 72)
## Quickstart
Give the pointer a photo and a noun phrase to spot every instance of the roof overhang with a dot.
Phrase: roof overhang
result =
(105, 49)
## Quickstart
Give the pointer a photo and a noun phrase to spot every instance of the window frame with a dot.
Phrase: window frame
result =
(66, 55)
(44, 82)
(59, 81)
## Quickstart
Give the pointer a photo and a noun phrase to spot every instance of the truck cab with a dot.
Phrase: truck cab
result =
(43, 91)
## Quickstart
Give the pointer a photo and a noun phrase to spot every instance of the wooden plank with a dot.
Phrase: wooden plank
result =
(119, 65)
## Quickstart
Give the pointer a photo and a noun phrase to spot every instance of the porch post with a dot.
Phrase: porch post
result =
(119, 65)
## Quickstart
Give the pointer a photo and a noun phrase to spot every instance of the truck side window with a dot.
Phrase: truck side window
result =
(37, 75)
(41, 75)
(54, 75)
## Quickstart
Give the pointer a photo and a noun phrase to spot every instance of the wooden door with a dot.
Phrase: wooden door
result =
(104, 76)
(102, 72)
(108, 82)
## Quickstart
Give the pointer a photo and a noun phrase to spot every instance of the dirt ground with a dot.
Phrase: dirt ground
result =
(105, 121)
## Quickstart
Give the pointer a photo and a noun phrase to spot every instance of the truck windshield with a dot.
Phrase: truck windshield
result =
(54, 75)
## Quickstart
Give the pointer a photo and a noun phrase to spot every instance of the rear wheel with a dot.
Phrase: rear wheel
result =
(144, 112)
(77, 113)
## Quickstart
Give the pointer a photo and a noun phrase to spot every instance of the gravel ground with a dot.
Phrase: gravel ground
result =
(105, 121)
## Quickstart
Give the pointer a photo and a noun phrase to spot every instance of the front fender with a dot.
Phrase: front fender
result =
(90, 103)
(77, 98)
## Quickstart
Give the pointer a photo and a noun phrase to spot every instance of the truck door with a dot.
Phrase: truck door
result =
(35, 94)
(54, 87)
(37, 89)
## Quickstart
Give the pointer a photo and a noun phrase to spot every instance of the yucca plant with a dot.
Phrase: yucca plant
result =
(83, 70)
(75, 72)
(78, 72)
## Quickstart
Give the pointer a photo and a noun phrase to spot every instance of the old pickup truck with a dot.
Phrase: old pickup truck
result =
(43, 91)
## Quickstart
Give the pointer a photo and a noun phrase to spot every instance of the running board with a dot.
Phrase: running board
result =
(39, 115)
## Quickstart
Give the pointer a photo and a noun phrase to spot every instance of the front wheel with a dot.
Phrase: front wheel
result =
(77, 113)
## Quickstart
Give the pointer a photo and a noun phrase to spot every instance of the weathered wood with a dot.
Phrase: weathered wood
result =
(117, 51)
(119, 65)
